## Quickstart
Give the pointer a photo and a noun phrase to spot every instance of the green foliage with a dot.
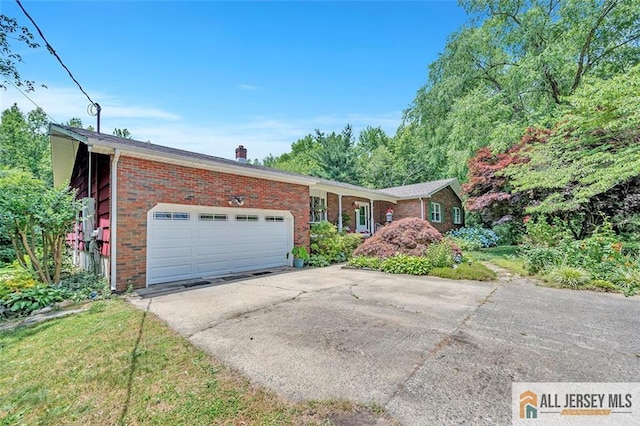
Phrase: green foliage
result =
(439, 255)
(31, 299)
(37, 218)
(509, 233)
(602, 285)
(10, 30)
(365, 262)
(17, 279)
(591, 160)
(300, 252)
(404, 264)
(331, 245)
(318, 260)
(83, 285)
(465, 271)
(540, 258)
(24, 143)
(567, 276)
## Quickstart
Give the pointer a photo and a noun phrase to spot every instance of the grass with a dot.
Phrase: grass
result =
(115, 364)
(475, 271)
(505, 257)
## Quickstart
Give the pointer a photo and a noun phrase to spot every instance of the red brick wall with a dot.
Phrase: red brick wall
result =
(447, 199)
(347, 207)
(143, 183)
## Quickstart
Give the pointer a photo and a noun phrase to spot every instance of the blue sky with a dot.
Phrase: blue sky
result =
(207, 76)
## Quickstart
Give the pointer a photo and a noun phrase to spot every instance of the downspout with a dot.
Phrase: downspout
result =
(114, 217)
(89, 149)
(339, 212)
(421, 208)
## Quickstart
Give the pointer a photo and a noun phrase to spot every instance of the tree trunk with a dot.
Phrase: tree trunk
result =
(19, 253)
(32, 256)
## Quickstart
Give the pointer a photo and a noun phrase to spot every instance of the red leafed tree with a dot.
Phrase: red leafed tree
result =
(488, 190)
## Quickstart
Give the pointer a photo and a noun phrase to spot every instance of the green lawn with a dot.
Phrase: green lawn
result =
(503, 256)
(115, 364)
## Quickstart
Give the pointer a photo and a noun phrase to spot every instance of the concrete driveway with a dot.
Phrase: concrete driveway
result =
(428, 350)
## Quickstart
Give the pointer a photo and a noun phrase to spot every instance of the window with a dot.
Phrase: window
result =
(436, 212)
(317, 209)
(211, 217)
(274, 219)
(457, 215)
(171, 216)
(162, 215)
(246, 218)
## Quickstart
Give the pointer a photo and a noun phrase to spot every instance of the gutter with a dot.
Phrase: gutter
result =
(114, 217)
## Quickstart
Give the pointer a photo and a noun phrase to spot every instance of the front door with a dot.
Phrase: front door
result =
(362, 221)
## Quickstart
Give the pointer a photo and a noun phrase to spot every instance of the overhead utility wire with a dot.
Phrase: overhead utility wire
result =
(53, 52)
(32, 101)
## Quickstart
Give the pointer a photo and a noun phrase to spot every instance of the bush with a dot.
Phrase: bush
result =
(16, 280)
(475, 238)
(331, 245)
(31, 299)
(509, 233)
(567, 276)
(404, 264)
(440, 255)
(465, 271)
(538, 259)
(409, 236)
(628, 278)
(365, 262)
(318, 261)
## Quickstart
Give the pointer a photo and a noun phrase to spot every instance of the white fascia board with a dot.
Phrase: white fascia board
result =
(355, 192)
(103, 148)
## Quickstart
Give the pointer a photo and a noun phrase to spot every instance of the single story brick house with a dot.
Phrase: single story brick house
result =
(156, 214)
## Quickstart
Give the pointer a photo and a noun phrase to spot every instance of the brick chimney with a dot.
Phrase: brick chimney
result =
(241, 154)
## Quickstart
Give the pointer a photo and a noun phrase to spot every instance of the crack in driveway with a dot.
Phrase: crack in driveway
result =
(441, 344)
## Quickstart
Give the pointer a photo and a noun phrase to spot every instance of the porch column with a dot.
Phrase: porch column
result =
(372, 222)
(340, 212)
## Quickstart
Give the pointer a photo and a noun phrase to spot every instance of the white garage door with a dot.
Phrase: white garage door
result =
(190, 242)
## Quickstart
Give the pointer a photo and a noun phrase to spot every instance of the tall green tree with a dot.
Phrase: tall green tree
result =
(301, 159)
(122, 133)
(512, 66)
(336, 156)
(24, 142)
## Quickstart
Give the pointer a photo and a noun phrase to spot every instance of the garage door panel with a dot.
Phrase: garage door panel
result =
(168, 253)
(204, 246)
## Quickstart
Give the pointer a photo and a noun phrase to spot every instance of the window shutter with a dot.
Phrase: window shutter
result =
(442, 216)
(430, 217)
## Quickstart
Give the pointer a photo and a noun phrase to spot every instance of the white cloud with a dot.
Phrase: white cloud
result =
(262, 135)
(247, 87)
(65, 103)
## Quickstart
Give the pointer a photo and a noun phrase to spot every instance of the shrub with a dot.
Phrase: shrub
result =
(628, 278)
(331, 245)
(16, 280)
(440, 254)
(475, 237)
(31, 299)
(318, 261)
(409, 236)
(509, 233)
(365, 262)
(537, 258)
(404, 264)
(567, 276)
(465, 271)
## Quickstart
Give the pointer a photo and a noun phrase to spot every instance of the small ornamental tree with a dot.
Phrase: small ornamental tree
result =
(37, 219)
(489, 191)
